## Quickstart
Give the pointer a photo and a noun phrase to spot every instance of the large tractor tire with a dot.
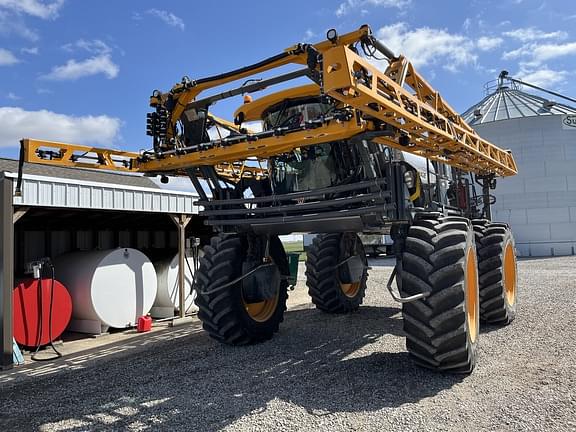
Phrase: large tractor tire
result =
(225, 313)
(441, 329)
(327, 276)
(497, 270)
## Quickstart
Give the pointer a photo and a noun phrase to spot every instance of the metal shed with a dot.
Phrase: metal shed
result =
(63, 209)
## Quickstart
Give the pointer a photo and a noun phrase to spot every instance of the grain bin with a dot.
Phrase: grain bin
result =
(168, 295)
(539, 202)
(109, 288)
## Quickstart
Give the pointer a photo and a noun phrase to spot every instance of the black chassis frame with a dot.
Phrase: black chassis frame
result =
(377, 205)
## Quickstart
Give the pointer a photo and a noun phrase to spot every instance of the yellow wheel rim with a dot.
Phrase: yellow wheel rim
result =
(351, 289)
(510, 274)
(261, 311)
(472, 300)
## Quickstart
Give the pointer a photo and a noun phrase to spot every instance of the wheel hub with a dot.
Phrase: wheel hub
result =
(260, 290)
(262, 281)
(350, 289)
(261, 311)
(352, 266)
(352, 270)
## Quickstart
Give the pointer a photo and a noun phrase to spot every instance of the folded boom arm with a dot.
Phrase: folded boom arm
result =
(395, 107)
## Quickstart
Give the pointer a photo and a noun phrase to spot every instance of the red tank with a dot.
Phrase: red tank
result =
(26, 318)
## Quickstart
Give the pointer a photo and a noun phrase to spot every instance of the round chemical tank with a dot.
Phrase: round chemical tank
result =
(113, 286)
(540, 201)
(168, 296)
(41, 311)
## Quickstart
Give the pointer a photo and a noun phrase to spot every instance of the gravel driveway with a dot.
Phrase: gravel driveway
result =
(321, 373)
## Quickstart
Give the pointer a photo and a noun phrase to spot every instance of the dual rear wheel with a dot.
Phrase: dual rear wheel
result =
(469, 271)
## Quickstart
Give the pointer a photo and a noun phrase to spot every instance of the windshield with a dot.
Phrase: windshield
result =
(304, 169)
(292, 114)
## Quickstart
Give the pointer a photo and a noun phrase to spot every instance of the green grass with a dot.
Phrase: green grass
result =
(295, 247)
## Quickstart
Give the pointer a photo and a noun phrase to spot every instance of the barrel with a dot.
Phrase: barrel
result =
(114, 286)
(33, 301)
(168, 296)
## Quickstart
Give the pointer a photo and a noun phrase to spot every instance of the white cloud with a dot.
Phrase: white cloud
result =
(531, 34)
(12, 12)
(517, 53)
(167, 17)
(550, 51)
(14, 24)
(31, 51)
(426, 46)
(308, 35)
(543, 77)
(349, 5)
(486, 43)
(389, 3)
(16, 123)
(72, 69)
(24, 32)
(13, 96)
(36, 8)
(95, 46)
(7, 58)
(536, 54)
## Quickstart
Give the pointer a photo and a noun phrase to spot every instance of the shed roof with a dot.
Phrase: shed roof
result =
(91, 175)
(77, 188)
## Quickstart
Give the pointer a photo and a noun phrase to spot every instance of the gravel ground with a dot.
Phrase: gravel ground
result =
(322, 373)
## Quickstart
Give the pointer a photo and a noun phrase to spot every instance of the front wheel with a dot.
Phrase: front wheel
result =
(234, 313)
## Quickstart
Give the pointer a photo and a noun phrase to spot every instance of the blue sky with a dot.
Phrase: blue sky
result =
(82, 70)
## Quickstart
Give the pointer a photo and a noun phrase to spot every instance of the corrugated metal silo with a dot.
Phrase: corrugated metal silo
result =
(540, 202)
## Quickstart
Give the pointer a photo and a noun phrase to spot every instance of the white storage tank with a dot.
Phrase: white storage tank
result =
(109, 288)
(539, 202)
(167, 302)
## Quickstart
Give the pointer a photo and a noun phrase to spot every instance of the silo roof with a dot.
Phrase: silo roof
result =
(510, 103)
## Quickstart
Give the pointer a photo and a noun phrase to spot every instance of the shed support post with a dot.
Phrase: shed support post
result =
(6, 271)
(181, 222)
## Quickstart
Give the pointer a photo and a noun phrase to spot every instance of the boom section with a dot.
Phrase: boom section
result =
(432, 129)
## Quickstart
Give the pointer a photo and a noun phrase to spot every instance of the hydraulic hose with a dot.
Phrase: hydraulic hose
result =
(40, 312)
